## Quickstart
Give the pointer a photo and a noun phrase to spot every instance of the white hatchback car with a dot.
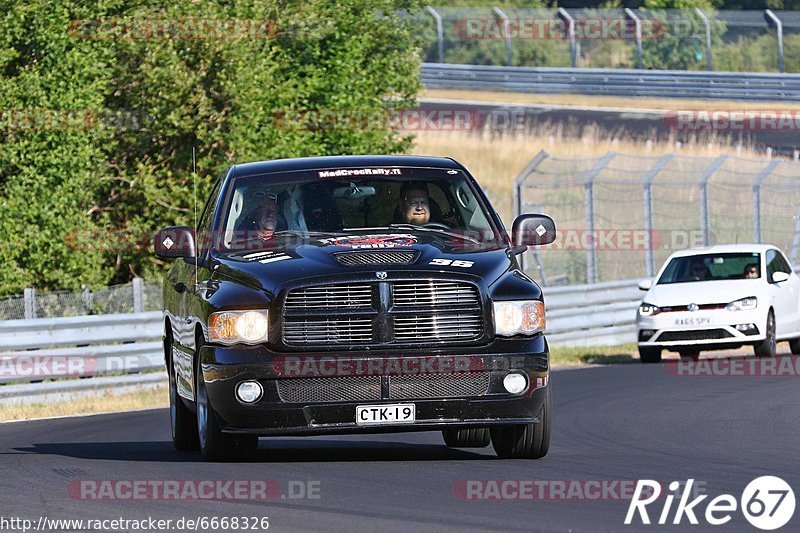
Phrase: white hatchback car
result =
(720, 297)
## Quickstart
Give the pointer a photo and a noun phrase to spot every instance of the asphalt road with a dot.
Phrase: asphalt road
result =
(623, 123)
(624, 422)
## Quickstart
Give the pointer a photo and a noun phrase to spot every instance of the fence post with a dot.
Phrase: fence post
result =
(29, 301)
(710, 171)
(138, 295)
(659, 165)
(439, 31)
(573, 51)
(506, 31)
(779, 29)
(707, 24)
(638, 25)
(518, 201)
(588, 204)
(760, 177)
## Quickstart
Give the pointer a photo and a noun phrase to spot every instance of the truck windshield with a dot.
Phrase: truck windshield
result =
(711, 267)
(309, 203)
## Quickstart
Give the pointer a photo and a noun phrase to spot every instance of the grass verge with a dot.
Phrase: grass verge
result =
(593, 355)
(154, 397)
(608, 101)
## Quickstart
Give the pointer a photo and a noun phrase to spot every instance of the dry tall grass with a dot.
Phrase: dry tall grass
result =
(496, 160)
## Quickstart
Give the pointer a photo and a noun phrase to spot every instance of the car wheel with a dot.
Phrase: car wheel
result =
(526, 441)
(649, 354)
(182, 420)
(214, 444)
(794, 345)
(690, 354)
(467, 438)
(768, 347)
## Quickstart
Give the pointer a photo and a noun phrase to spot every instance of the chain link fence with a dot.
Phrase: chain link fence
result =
(620, 216)
(135, 297)
(671, 39)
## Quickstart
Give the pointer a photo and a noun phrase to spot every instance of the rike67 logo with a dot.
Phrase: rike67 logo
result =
(767, 503)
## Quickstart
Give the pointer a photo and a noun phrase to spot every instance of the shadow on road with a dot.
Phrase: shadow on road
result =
(275, 450)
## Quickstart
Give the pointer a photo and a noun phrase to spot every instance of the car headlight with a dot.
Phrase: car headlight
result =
(518, 318)
(648, 309)
(232, 327)
(745, 304)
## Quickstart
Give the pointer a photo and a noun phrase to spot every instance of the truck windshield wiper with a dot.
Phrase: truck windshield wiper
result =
(441, 231)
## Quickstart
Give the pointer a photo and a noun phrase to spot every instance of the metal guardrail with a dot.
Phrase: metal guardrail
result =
(615, 82)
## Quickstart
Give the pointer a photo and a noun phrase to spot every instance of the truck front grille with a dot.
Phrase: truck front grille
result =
(383, 313)
(368, 388)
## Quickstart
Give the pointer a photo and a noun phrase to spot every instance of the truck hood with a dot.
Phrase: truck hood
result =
(295, 260)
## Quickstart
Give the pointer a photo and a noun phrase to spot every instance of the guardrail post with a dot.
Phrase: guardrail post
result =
(518, 201)
(760, 177)
(638, 24)
(29, 301)
(659, 165)
(707, 24)
(439, 31)
(795, 239)
(506, 32)
(138, 295)
(718, 162)
(779, 28)
(573, 51)
(588, 204)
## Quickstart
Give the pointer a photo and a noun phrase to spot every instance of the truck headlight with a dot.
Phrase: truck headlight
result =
(518, 318)
(648, 309)
(745, 304)
(232, 327)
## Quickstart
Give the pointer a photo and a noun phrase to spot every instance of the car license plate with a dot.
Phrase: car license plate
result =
(385, 414)
(692, 321)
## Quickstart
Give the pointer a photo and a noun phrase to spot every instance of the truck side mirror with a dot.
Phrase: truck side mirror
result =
(533, 230)
(175, 241)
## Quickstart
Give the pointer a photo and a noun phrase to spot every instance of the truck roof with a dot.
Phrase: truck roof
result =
(341, 161)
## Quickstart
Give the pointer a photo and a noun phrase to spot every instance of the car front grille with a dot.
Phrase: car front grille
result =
(438, 386)
(434, 293)
(368, 388)
(342, 296)
(342, 389)
(421, 329)
(346, 330)
(693, 335)
(388, 257)
(382, 313)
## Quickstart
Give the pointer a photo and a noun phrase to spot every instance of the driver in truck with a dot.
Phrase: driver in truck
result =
(414, 203)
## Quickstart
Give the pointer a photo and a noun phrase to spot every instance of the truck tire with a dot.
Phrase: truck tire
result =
(215, 445)
(526, 441)
(467, 438)
(182, 420)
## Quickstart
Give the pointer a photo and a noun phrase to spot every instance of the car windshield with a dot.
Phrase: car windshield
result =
(712, 267)
(320, 203)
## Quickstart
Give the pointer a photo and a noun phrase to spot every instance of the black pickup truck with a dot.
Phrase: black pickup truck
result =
(354, 294)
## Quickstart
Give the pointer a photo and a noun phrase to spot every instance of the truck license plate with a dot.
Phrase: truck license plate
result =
(385, 414)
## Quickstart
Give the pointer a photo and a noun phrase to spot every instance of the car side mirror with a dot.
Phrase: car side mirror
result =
(645, 284)
(533, 230)
(175, 241)
(778, 277)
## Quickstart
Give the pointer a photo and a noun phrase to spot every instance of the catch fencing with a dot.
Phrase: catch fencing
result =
(619, 216)
(663, 39)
